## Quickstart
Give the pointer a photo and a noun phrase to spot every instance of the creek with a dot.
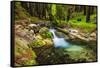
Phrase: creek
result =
(62, 43)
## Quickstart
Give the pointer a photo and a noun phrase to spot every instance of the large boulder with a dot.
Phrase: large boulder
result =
(33, 27)
(93, 35)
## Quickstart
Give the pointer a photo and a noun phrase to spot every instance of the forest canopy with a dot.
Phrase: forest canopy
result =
(59, 14)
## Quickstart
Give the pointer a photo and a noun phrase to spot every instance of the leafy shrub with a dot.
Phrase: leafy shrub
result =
(44, 32)
(47, 35)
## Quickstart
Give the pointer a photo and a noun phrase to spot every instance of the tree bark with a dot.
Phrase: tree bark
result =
(88, 14)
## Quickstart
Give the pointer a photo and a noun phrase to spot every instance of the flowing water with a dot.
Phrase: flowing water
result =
(59, 42)
(65, 52)
(62, 43)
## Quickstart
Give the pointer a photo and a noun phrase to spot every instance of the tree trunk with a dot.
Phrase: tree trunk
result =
(91, 10)
(84, 10)
(68, 14)
(88, 14)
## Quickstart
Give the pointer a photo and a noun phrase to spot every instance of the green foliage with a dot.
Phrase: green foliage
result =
(53, 9)
(37, 43)
(93, 18)
(47, 35)
(85, 27)
(45, 32)
(79, 22)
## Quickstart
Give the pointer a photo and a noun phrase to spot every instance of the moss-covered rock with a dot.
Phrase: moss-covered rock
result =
(47, 35)
(48, 42)
(41, 42)
(37, 43)
(44, 32)
(23, 54)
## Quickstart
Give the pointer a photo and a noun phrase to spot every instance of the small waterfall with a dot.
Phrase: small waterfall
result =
(59, 42)
(53, 32)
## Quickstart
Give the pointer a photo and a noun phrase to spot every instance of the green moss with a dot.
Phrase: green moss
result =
(80, 22)
(85, 27)
(44, 32)
(23, 54)
(37, 43)
(47, 35)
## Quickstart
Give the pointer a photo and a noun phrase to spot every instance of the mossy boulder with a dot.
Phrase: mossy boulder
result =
(47, 35)
(23, 54)
(44, 32)
(48, 42)
(41, 42)
(38, 43)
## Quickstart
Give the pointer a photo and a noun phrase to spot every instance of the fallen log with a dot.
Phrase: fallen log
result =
(76, 35)
(80, 37)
